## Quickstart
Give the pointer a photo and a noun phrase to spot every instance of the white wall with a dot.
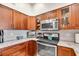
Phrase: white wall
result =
(35, 9)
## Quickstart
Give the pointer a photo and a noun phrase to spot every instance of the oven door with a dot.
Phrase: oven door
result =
(47, 49)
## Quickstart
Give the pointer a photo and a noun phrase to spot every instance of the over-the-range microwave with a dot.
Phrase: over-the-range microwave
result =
(51, 24)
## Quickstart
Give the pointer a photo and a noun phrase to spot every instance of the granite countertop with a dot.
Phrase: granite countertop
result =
(72, 45)
(10, 43)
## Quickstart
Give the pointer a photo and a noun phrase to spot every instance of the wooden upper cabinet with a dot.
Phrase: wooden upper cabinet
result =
(69, 17)
(6, 21)
(31, 23)
(58, 15)
(24, 22)
(65, 22)
(17, 20)
(52, 14)
(75, 15)
(20, 20)
(48, 15)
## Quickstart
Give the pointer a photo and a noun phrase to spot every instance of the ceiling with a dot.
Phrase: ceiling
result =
(35, 8)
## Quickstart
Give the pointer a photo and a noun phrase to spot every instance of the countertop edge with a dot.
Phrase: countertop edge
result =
(10, 43)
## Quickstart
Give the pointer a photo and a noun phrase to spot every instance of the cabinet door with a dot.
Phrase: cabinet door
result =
(31, 23)
(6, 21)
(20, 52)
(72, 19)
(64, 51)
(24, 23)
(71, 22)
(14, 50)
(17, 20)
(28, 25)
(75, 9)
(53, 14)
(0, 52)
(32, 48)
(59, 19)
(65, 17)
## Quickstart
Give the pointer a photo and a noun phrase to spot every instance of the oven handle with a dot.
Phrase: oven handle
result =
(47, 44)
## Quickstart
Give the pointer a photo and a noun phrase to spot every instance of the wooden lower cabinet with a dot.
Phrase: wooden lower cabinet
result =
(32, 48)
(23, 49)
(0, 52)
(64, 51)
(14, 50)
(19, 53)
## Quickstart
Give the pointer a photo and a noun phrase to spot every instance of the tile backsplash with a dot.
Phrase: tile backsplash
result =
(66, 35)
(12, 34)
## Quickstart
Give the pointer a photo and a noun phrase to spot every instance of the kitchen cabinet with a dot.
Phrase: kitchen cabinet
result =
(0, 52)
(6, 21)
(64, 51)
(28, 48)
(31, 23)
(68, 21)
(17, 16)
(15, 50)
(58, 15)
(75, 15)
(12, 19)
(24, 21)
(32, 48)
(20, 20)
(69, 17)
(52, 14)
(48, 15)
(42, 17)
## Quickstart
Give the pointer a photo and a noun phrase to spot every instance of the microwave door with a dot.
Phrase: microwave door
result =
(44, 24)
(49, 25)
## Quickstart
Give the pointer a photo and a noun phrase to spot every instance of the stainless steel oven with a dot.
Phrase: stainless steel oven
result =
(47, 49)
(51, 24)
(47, 46)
